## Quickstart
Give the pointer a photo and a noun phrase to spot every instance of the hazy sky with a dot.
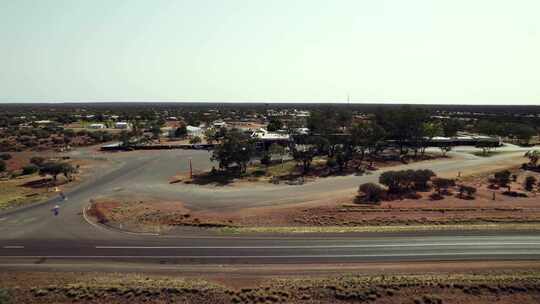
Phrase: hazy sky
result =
(417, 51)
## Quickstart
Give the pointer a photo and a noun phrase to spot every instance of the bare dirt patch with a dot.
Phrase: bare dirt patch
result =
(144, 214)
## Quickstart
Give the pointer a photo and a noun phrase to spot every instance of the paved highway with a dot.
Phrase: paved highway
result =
(280, 250)
(35, 234)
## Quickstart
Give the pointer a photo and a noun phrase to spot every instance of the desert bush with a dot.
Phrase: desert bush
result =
(195, 140)
(530, 181)
(37, 160)
(468, 190)
(266, 159)
(3, 166)
(502, 178)
(421, 178)
(331, 163)
(405, 180)
(393, 180)
(5, 156)
(442, 184)
(435, 196)
(371, 192)
(514, 194)
(4, 296)
(30, 169)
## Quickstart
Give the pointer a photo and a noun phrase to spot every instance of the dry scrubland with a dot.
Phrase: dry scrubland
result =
(291, 171)
(493, 287)
(17, 189)
(340, 214)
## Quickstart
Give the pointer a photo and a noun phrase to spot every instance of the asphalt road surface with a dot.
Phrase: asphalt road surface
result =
(35, 234)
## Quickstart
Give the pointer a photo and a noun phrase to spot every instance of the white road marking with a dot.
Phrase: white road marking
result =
(272, 256)
(13, 247)
(324, 246)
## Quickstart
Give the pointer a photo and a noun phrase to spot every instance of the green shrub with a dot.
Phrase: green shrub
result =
(468, 190)
(331, 162)
(30, 169)
(442, 184)
(37, 160)
(5, 298)
(530, 181)
(5, 156)
(405, 180)
(502, 178)
(371, 192)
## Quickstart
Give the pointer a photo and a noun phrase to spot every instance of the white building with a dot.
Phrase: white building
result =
(121, 125)
(43, 122)
(263, 134)
(194, 131)
(96, 126)
(219, 124)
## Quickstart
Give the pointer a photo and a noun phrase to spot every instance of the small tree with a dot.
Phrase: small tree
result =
(195, 140)
(341, 158)
(210, 135)
(530, 181)
(371, 192)
(55, 169)
(487, 146)
(421, 178)
(236, 147)
(392, 180)
(502, 178)
(266, 159)
(3, 166)
(442, 184)
(305, 156)
(533, 156)
(445, 148)
(156, 132)
(181, 131)
(277, 149)
(30, 169)
(125, 138)
(274, 124)
(468, 190)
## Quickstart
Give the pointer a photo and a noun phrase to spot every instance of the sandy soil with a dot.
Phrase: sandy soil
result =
(68, 287)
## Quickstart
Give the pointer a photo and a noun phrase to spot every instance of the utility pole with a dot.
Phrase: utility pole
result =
(190, 169)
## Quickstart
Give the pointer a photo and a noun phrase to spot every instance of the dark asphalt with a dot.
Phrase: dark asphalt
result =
(224, 250)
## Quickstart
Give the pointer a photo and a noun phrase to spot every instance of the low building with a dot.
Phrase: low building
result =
(265, 139)
(194, 131)
(43, 122)
(219, 124)
(121, 125)
(96, 126)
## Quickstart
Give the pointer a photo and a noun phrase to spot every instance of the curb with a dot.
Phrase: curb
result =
(111, 229)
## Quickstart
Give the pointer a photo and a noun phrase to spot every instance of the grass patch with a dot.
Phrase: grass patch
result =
(13, 193)
(367, 229)
(277, 169)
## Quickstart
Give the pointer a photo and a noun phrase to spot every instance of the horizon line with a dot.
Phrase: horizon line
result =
(263, 102)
